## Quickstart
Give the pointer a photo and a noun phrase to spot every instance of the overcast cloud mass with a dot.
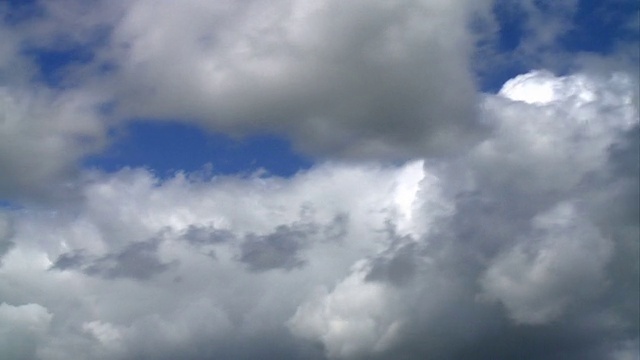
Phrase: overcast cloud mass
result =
(441, 218)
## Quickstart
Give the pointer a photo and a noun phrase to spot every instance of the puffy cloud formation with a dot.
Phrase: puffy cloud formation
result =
(358, 79)
(479, 256)
(512, 231)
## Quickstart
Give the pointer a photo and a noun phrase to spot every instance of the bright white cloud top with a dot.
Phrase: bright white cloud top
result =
(440, 221)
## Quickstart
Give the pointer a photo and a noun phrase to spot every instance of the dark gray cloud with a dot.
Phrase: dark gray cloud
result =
(278, 250)
(6, 233)
(137, 261)
(284, 247)
(70, 261)
(207, 235)
(397, 265)
(275, 345)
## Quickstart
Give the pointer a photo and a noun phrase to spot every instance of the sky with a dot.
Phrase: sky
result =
(328, 180)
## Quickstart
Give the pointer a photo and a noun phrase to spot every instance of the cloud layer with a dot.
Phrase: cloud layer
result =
(355, 261)
(508, 229)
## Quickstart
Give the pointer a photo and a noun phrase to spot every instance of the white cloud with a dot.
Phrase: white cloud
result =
(363, 79)
(536, 213)
(552, 131)
(200, 287)
(104, 332)
(138, 267)
(351, 321)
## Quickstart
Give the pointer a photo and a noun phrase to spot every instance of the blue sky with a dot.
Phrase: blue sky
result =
(320, 179)
(166, 148)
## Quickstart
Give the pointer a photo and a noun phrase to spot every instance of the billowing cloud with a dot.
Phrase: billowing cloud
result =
(513, 232)
(363, 79)
(539, 277)
(355, 319)
(349, 261)
(290, 237)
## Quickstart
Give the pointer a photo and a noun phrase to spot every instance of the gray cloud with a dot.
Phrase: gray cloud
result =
(362, 79)
(22, 328)
(207, 235)
(44, 135)
(283, 248)
(72, 260)
(136, 261)
(396, 265)
(278, 250)
(6, 233)
(516, 271)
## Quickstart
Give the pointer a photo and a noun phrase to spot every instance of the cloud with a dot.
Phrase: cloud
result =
(352, 261)
(22, 328)
(514, 238)
(44, 132)
(99, 251)
(363, 79)
(539, 277)
(521, 243)
(277, 250)
(561, 121)
(42, 138)
(6, 233)
(137, 261)
(351, 321)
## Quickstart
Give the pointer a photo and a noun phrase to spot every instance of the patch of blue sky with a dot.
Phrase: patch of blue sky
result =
(511, 20)
(15, 11)
(597, 27)
(56, 59)
(600, 25)
(53, 63)
(169, 147)
(8, 205)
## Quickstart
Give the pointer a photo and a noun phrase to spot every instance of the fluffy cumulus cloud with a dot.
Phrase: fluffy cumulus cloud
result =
(360, 79)
(508, 229)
